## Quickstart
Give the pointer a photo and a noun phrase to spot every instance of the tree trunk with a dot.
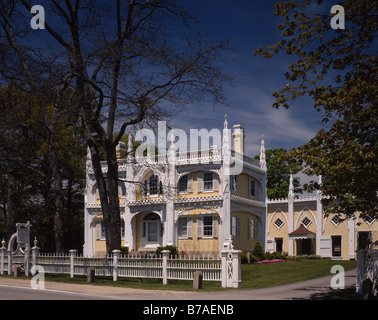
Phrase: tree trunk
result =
(113, 229)
(57, 191)
(108, 194)
(11, 202)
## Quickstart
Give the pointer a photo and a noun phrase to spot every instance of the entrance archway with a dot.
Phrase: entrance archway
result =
(150, 231)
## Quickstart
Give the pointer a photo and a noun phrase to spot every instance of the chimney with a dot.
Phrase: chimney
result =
(239, 138)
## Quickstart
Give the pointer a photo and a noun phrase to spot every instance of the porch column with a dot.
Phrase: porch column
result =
(291, 215)
(319, 218)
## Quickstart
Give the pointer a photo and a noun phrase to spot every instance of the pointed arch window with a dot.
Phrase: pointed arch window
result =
(152, 186)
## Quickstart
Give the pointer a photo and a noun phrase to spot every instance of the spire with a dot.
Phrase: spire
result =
(226, 140)
(171, 149)
(262, 154)
(291, 187)
(130, 154)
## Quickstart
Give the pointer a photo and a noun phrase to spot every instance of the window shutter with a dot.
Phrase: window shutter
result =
(200, 182)
(190, 182)
(215, 226)
(249, 187)
(238, 227)
(144, 188)
(215, 182)
(249, 229)
(199, 227)
(98, 229)
(144, 226)
(190, 227)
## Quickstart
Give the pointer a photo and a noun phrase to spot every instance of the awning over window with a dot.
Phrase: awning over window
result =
(302, 233)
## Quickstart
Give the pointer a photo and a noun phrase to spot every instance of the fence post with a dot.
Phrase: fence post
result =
(3, 250)
(116, 254)
(10, 262)
(35, 253)
(231, 268)
(165, 254)
(360, 277)
(73, 253)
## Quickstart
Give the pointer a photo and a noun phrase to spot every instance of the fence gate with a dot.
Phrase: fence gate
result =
(21, 255)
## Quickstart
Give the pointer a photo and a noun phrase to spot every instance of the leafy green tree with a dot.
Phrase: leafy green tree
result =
(123, 65)
(338, 70)
(279, 168)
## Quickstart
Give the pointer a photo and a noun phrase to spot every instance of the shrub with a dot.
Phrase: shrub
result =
(172, 250)
(125, 250)
(258, 251)
(244, 258)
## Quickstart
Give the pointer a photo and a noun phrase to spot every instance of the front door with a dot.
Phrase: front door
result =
(152, 231)
(336, 246)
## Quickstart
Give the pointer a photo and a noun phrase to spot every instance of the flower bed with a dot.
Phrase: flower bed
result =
(270, 261)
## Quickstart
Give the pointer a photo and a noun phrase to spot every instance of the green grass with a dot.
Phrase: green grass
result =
(268, 275)
(253, 276)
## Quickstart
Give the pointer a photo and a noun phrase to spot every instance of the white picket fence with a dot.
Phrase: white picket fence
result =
(224, 268)
(133, 266)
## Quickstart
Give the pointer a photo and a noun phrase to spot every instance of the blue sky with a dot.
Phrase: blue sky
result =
(247, 25)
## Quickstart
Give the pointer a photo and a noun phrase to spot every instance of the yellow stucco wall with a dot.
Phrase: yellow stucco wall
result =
(195, 244)
(273, 214)
(243, 187)
(243, 242)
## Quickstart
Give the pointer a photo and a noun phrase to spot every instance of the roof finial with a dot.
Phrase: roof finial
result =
(129, 146)
(262, 154)
(225, 120)
(291, 187)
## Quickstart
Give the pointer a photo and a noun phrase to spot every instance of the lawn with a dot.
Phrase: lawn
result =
(268, 275)
(253, 276)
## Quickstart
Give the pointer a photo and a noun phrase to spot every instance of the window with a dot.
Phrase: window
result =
(184, 227)
(153, 187)
(234, 183)
(235, 226)
(252, 188)
(122, 228)
(335, 220)
(183, 184)
(252, 228)
(278, 223)
(207, 226)
(100, 229)
(306, 222)
(208, 181)
(121, 189)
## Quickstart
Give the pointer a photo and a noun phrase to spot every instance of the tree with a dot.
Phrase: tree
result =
(28, 191)
(279, 168)
(123, 65)
(338, 70)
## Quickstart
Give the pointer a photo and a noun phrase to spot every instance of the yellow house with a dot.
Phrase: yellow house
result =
(196, 200)
(299, 226)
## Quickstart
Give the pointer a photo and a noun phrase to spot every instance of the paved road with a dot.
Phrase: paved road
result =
(17, 289)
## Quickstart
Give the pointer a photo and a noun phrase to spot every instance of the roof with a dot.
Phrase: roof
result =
(302, 233)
